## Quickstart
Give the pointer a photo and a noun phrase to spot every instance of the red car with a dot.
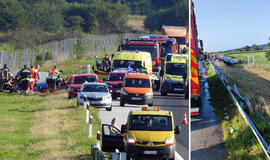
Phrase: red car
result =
(77, 80)
(115, 81)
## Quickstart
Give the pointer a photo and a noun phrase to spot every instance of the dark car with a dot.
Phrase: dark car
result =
(115, 82)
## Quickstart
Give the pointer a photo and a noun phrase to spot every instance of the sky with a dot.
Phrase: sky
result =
(231, 24)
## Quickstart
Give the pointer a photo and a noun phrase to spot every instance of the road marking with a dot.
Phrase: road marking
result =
(178, 157)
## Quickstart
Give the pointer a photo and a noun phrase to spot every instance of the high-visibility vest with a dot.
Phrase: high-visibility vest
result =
(55, 75)
(25, 74)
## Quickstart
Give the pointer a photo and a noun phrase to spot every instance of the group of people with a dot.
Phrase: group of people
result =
(24, 80)
(54, 79)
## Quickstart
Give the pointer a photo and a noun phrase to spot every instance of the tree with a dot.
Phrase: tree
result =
(255, 47)
(267, 55)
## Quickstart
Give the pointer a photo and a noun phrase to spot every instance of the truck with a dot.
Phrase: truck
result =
(194, 53)
(174, 74)
(180, 33)
(149, 46)
(148, 134)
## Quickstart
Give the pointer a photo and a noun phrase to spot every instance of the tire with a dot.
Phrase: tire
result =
(151, 104)
(163, 94)
(114, 97)
(109, 109)
(122, 104)
(69, 97)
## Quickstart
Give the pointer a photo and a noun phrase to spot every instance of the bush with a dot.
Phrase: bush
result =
(48, 56)
(39, 59)
(267, 55)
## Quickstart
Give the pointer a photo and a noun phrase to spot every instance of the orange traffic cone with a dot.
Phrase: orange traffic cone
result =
(185, 119)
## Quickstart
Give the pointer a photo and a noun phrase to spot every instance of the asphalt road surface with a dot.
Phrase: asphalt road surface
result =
(173, 102)
(206, 133)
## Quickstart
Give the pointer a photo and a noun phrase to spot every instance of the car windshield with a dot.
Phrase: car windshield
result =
(137, 82)
(180, 40)
(147, 48)
(94, 88)
(116, 77)
(150, 123)
(175, 68)
(81, 80)
(126, 64)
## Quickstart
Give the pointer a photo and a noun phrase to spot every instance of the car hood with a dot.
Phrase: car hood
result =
(114, 83)
(76, 86)
(150, 136)
(137, 90)
(95, 94)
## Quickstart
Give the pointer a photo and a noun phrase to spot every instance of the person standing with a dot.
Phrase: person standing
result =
(25, 78)
(51, 81)
(4, 76)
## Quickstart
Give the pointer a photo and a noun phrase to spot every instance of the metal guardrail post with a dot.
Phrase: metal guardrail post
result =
(244, 115)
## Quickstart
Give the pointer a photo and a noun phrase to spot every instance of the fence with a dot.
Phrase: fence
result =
(241, 108)
(64, 49)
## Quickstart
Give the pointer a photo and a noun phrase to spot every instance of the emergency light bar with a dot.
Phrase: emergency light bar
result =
(145, 108)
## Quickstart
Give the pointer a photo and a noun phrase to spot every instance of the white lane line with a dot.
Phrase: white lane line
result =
(178, 157)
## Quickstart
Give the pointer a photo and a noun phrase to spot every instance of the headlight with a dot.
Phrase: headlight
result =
(107, 97)
(130, 140)
(149, 94)
(124, 93)
(169, 140)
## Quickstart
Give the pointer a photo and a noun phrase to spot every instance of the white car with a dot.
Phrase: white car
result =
(97, 94)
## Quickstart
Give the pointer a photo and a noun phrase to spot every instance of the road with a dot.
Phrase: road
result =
(173, 102)
(206, 133)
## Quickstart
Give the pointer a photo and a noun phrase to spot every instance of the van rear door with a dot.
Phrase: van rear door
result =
(101, 68)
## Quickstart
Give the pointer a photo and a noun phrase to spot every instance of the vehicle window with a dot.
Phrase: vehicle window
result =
(110, 130)
(102, 65)
(175, 68)
(152, 49)
(137, 82)
(126, 64)
(94, 88)
(180, 40)
(150, 123)
(116, 77)
(81, 80)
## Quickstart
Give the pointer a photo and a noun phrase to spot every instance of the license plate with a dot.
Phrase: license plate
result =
(94, 102)
(118, 91)
(177, 89)
(149, 152)
(136, 98)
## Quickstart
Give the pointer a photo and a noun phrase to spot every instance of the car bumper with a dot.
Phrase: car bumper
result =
(173, 88)
(98, 104)
(72, 94)
(161, 152)
(140, 99)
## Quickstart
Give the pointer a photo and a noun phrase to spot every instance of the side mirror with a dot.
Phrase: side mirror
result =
(177, 130)
(123, 129)
(100, 80)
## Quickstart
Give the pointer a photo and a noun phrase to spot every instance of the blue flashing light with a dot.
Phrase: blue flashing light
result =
(169, 58)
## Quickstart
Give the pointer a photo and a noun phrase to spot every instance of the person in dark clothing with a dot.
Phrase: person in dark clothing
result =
(4, 76)
(25, 78)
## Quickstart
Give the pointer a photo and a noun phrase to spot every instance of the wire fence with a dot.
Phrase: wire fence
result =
(65, 49)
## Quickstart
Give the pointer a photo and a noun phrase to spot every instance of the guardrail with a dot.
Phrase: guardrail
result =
(240, 107)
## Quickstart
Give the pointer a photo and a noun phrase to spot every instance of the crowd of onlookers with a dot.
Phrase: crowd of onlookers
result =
(26, 79)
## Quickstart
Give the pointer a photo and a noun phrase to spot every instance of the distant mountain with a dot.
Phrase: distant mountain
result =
(262, 47)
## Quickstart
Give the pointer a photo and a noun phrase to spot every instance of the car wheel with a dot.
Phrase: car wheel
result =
(69, 97)
(122, 103)
(163, 93)
(109, 109)
(151, 104)
(114, 97)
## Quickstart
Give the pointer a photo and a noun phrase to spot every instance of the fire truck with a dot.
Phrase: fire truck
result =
(154, 49)
(194, 56)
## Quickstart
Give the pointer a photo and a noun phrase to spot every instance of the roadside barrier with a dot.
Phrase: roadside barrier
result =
(90, 127)
(98, 139)
(87, 113)
(259, 137)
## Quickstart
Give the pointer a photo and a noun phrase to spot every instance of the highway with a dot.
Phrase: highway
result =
(173, 102)
(206, 133)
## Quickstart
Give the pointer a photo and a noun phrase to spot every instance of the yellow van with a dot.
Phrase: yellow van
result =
(124, 60)
(149, 133)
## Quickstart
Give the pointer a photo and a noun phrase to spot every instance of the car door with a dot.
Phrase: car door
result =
(101, 68)
(111, 139)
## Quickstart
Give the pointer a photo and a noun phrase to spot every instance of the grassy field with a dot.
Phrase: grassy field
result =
(240, 144)
(49, 126)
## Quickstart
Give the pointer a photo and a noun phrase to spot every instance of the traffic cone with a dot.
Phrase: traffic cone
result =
(185, 119)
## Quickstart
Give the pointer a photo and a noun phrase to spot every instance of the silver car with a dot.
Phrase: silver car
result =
(97, 94)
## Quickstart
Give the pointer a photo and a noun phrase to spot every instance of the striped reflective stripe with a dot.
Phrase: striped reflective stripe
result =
(195, 111)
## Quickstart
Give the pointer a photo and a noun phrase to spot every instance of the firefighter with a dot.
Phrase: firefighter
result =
(4, 76)
(25, 78)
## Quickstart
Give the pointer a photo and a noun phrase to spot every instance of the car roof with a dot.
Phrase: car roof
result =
(162, 113)
(137, 75)
(84, 75)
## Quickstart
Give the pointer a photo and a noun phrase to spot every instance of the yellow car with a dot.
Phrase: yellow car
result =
(149, 133)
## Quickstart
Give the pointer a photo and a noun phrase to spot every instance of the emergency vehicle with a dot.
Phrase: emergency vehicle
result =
(149, 133)
(174, 74)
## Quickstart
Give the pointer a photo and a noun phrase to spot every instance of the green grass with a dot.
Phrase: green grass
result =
(8, 47)
(241, 144)
(45, 126)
